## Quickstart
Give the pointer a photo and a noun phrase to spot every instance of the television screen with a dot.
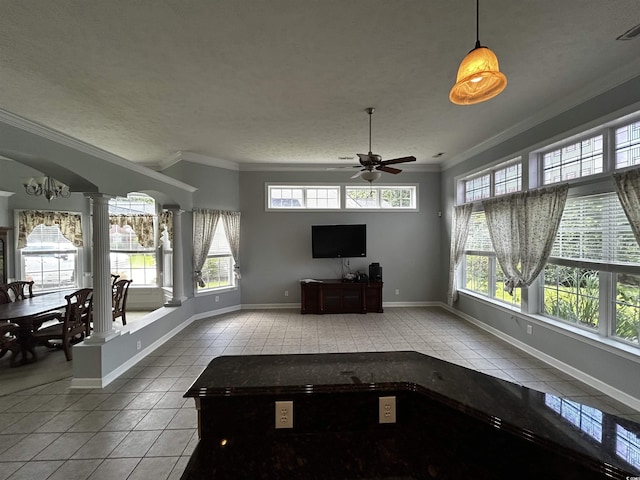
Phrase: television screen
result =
(338, 241)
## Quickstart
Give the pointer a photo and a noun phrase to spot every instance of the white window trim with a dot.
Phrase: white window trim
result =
(18, 256)
(342, 197)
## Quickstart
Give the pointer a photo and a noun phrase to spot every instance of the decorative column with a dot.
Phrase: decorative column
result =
(102, 319)
(177, 261)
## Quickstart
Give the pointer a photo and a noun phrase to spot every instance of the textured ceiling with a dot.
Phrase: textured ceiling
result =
(287, 81)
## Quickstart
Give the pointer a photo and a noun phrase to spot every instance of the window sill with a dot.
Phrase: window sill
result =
(608, 344)
(215, 291)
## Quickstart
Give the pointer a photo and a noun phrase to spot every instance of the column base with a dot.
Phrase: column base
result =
(101, 337)
(175, 302)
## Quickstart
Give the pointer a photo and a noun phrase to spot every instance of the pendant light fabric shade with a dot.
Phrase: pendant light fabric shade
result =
(479, 78)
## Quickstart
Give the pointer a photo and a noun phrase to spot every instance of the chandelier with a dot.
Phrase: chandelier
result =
(48, 187)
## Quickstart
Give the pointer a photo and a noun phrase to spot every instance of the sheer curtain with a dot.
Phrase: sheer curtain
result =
(70, 225)
(231, 222)
(460, 218)
(204, 226)
(523, 227)
(628, 190)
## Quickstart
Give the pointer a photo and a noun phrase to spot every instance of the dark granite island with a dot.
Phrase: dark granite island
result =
(451, 423)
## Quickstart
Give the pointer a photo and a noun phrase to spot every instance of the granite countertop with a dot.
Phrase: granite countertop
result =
(542, 418)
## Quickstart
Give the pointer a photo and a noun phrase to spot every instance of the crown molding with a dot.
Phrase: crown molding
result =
(580, 96)
(205, 160)
(285, 167)
(34, 128)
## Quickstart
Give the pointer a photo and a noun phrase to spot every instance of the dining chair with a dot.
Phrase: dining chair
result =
(9, 341)
(75, 323)
(4, 295)
(114, 279)
(20, 290)
(119, 301)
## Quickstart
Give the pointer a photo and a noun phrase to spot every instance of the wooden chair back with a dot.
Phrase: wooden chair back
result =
(75, 322)
(114, 279)
(20, 290)
(119, 305)
(4, 295)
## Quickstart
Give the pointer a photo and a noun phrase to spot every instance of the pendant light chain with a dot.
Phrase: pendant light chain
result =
(477, 23)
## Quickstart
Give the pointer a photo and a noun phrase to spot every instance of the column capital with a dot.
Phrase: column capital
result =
(99, 197)
(175, 209)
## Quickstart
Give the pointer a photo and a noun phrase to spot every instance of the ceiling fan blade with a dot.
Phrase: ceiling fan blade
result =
(383, 168)
(398, 160)
(357, 174)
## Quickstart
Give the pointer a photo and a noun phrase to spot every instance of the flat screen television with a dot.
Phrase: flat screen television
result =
(338, 241)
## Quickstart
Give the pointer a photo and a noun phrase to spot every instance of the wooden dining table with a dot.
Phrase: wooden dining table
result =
(26, 313)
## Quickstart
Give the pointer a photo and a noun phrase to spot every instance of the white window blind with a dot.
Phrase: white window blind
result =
(595, 228)
(219, 244)
(478, 238)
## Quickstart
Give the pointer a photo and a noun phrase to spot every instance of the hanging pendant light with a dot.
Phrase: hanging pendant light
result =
(479, 77)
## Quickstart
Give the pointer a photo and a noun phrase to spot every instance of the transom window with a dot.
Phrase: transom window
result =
(338, 197)
(504, 178)
(579, 159)
(381, 197)
(303, 197)
(628, 145)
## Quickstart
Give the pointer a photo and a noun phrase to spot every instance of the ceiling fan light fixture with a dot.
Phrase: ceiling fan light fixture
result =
(370, 175)
(479, 77)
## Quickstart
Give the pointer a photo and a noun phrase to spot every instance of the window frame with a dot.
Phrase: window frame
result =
(342, 197)
(532, 308)
(233, 285)
(152, 251)
(21, 266)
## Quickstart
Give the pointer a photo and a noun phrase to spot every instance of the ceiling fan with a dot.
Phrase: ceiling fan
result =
(372, 165)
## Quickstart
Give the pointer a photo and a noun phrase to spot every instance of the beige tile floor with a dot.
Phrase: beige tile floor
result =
(140, 426)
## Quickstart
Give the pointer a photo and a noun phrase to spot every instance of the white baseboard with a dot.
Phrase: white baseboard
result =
(605, 388)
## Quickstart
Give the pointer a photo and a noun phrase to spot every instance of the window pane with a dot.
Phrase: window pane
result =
(477, 188)
(595, 228)
(361, 197)
(285, 197)
(137, 266)
(478, 237)
(577, 160)
(217, 272)
(381, 197)
(501, 294)
(508, 180)
(477, 273)
(628, 145)
(50, 260)
(323, 197)
(572, 294)
(627, 305)
(219, 243)
(132, 204)
(398, 197)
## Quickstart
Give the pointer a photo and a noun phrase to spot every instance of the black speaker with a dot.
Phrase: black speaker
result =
(375, 272)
